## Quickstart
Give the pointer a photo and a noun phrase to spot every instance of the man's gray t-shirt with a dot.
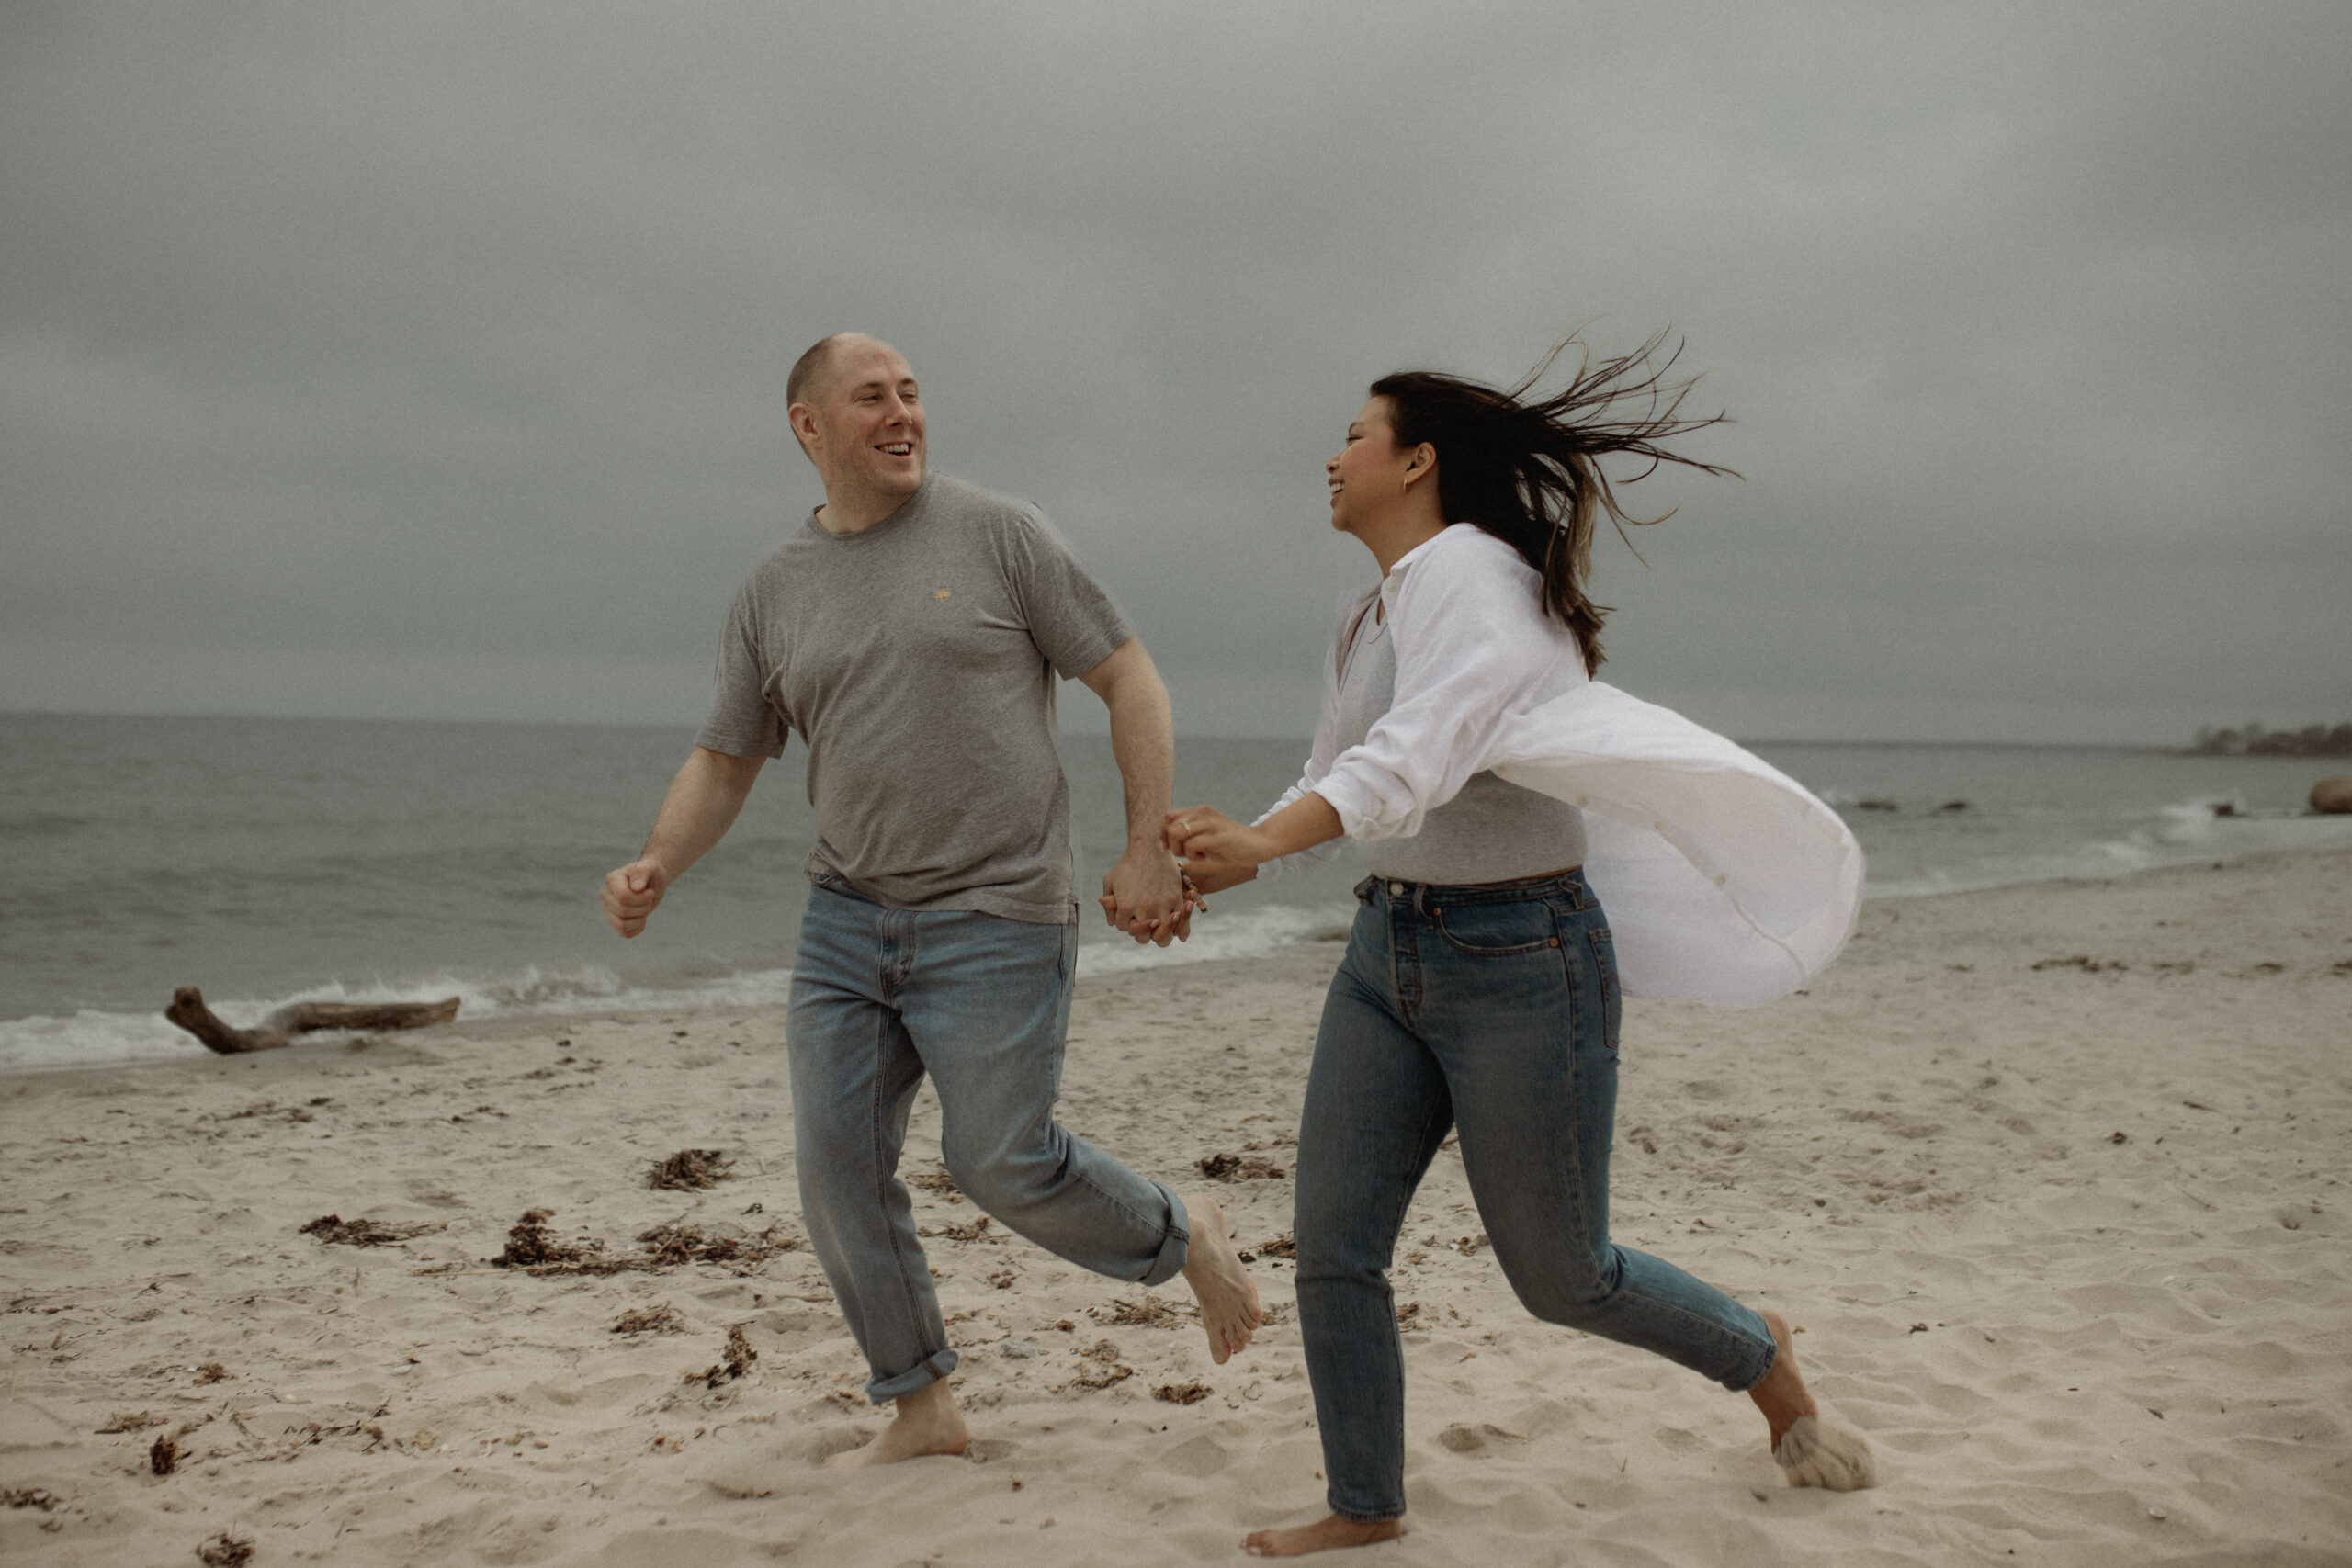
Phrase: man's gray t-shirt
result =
(917, 659)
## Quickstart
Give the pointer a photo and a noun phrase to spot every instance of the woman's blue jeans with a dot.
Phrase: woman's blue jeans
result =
(880, 997)
(1492, 1008)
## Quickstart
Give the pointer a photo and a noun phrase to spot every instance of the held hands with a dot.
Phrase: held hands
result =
(631, 894)
(1145, 895)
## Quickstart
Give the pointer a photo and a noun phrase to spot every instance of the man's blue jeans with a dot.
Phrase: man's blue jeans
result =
(1492, 1008)
(879, 998)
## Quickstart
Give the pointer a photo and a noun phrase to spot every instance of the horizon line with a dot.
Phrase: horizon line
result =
(2185, 745)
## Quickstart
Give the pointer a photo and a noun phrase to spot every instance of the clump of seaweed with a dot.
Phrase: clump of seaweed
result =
(688, 1170)
(310, 1433)
(737, 1360)
(336, 1231)
(1239, 1168)
(132, 1421)
(938, 1181)
(1272, 1247)
(667, 1246)
(1148, 1312)
(662, 1319)
(1183, 1394)
(531, 1247)
(1107, 1367)
(47, 1502)
(165, 1456)
(213, 1371)
(225, 1551)
(971, 1232)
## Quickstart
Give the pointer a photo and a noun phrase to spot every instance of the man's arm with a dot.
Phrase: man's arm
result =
(1144, 893)
(701, 805)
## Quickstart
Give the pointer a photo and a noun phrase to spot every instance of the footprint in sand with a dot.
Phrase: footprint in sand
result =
(749, 1482)
(1679, 1440)
(1482, 1441)
(1197, 1455)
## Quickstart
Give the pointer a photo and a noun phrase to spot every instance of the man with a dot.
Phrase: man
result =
(910, 631)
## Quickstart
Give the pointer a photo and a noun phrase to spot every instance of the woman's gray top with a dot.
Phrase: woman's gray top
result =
(1492, 831)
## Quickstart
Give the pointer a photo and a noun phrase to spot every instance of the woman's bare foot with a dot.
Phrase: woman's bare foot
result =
(1228, 1300)
(1325, 1535)
(1783, 1395)
(927, 1423)
(1810, 1452)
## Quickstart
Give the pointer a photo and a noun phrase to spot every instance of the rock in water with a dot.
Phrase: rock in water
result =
(2332, 795)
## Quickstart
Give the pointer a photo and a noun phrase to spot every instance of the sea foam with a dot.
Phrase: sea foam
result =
(92, 1038)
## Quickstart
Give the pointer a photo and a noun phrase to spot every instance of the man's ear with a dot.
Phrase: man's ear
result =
(803, 420)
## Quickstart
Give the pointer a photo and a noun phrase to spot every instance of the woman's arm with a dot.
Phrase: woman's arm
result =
(1217, 850)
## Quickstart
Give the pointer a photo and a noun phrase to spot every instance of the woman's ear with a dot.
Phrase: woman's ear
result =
(1420, 464)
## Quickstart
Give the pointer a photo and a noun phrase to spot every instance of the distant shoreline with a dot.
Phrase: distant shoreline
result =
(685, 728)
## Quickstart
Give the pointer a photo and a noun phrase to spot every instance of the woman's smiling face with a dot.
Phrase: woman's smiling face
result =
(1368, 470)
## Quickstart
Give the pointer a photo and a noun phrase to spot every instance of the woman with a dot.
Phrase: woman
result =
(1466, 744)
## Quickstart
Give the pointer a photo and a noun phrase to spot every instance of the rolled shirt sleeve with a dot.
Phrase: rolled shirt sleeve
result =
(1473, 644)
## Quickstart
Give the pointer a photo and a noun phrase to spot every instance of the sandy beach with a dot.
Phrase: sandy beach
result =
(2052, 1177)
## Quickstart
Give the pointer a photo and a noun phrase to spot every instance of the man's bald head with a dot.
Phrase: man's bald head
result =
(810, 371)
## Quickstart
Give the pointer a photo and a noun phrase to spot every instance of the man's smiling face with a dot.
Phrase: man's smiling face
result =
(864, 427)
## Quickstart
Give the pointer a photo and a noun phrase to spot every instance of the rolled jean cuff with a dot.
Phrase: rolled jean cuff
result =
(1176, 1245)
(1742, 1382)
(922, 1375)
(1357, 1516)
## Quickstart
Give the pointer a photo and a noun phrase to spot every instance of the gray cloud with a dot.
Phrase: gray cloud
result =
(429, 359)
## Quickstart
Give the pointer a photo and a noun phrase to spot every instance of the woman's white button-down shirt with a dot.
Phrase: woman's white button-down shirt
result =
(1723, 878)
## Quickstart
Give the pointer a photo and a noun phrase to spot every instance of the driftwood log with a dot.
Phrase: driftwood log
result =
(187, 1010)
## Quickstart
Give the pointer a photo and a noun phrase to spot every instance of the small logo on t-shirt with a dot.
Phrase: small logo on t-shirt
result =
(941, 594)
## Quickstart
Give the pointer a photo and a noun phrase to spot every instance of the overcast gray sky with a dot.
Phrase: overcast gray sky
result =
(428, 360)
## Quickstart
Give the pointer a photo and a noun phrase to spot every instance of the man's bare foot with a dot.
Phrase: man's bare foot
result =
(1228, 1300)
(1809, 1450)
(1325, 1535)
(927, 1423)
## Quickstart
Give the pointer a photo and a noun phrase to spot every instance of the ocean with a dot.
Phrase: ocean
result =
(266, 860)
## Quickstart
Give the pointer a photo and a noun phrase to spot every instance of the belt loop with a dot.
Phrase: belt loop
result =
(1420, 896)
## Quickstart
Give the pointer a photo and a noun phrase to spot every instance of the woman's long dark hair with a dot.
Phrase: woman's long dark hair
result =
(1527, 469)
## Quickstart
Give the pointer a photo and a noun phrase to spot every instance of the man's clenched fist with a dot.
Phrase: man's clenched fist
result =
(630, 894)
